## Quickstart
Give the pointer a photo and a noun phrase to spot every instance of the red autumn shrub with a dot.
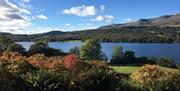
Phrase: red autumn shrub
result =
(71, 61)
(40, 60)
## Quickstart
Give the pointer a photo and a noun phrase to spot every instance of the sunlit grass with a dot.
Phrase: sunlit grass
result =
(130, 69)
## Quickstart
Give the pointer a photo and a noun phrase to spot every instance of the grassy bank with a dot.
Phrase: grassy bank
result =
(131, 69)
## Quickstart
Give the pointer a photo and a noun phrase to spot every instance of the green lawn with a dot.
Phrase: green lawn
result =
(130, 69)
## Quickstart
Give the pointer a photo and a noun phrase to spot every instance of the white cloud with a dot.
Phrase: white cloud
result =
(102, 8)
(26, 1)
(41, 16)
(126, 20)
(67, 25)
(12, 17)
(81, 11)
(24, 5)
(106, 18)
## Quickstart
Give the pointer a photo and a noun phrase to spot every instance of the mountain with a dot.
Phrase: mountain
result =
(164, 29)
(166, 20)
(54, 32)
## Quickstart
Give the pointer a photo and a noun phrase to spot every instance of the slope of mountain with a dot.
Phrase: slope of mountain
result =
(166, 20)
(164, 29)
(54, 32)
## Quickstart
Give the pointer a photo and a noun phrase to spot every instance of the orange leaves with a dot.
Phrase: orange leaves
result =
(71, 61)
(9, 57)
(45, 62)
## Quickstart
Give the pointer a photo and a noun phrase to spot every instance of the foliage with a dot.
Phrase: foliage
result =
(43, 48)
(166, 62)
(90, 50)
(129, 56)
(155, 79)
(131, 34)
(71, 61)
(14, 47)
(117, 55)
(9, 57)
(7, 80)
(40, 61)
(4, 43)
(40, 80)
(38, 47)
(75, 51)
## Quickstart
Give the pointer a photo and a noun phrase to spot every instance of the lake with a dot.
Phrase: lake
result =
(141, 49)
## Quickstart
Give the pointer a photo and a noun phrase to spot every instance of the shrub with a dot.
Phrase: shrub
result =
(40, 80)
(96, 76)
(71, 61)
(40, 61)
(4, 43)
(75, 51)
(166, 62)
(9, 57)
(155, 79)
(20, 67)
(8, 81)
(145, 60)
(16, 48)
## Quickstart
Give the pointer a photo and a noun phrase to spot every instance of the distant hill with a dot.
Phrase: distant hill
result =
(166, 20)
(54, 32)
(164, 29)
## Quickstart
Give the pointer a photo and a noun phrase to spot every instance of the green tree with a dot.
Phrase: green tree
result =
(43, 48)
(129, 56)
(4, 43)
(117, 55)
(75, 51)
(38, 47)
(166, 62)
(90, 50)
(14, 47)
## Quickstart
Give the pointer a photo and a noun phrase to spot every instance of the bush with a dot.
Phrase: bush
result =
(71, 61)
(43, 48)
(75, 51)
(8, 81)
(145, 60)
(16, 48)
(40, 61)
(155, 79)
(40, 80)
(4, 43)
(166, 62)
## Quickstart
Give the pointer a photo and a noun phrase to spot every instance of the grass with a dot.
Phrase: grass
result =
(130, 69)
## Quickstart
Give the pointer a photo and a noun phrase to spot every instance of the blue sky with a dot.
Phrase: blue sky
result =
(37, 16)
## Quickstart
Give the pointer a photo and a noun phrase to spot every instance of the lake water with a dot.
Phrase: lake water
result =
(141, 49)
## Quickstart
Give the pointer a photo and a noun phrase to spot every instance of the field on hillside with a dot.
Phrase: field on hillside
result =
(131, 69)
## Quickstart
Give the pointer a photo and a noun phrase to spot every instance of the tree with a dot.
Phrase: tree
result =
(90, 50)
(117, 55)
(75, 51)
(129, 56)
(38, 47)
(43, 48)
(166, 62)
(4, 43)
(14, 47)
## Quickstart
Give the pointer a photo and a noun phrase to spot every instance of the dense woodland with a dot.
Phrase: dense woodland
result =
(131, 34)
